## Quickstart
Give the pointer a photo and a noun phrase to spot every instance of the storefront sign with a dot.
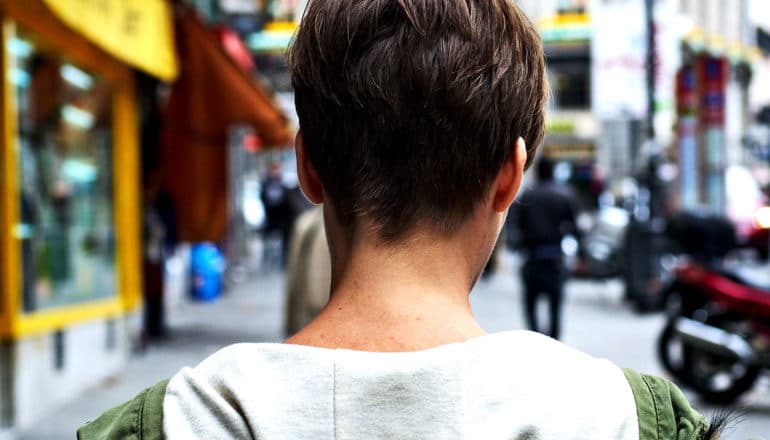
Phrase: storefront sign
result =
(138, 32)
(686, 130)
(712, 81)
(711, 77)
(618, 55)
(619, 61)
(569, 149)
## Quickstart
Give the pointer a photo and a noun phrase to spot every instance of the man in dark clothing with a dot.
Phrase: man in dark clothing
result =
(545, 215)
(275, 198)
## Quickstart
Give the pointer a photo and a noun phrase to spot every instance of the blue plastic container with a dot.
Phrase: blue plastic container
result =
(207, 266)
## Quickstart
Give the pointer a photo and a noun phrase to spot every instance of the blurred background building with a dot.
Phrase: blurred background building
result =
(133, 131)
(71, 197)
(705, 52)
(655, 108)
(115, 114)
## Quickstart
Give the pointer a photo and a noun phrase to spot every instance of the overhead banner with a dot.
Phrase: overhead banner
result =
(137, 32)
(618, 59)
(619, 54)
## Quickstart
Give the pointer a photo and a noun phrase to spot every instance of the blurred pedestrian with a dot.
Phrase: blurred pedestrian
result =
(308, 274)
(418, 119)
(545, 215)
(275, 199)
(160, 239)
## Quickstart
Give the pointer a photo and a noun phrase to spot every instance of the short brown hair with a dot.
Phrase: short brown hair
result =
(409, 108)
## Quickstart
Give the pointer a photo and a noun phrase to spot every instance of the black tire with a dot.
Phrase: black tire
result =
(672, 353)
(704, 368)
(740, 382)
(670, 348)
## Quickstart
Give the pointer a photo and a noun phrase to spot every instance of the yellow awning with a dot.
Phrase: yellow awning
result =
(137, 32)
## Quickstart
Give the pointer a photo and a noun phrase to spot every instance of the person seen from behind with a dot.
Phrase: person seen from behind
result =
(545, 215)
(417, 121)
(308, 273)
(275, 198)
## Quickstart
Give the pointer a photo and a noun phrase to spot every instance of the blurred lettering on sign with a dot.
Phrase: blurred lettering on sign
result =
(570, 149)
(618, 51)
(559, 126)
(137, 32)
(686, 92)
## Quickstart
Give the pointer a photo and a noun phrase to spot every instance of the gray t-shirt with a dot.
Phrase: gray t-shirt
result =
(512, 385)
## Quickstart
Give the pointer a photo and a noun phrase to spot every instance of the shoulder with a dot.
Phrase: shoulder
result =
(140, 418)
(540, 351)
(579, 387)
(205, 401)
(234, 388)
(662, 409)
(551, 381)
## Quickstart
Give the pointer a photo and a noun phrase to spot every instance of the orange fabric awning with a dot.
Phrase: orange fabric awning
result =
(212, 94)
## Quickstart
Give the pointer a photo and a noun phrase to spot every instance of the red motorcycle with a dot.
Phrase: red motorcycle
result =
(717, 336)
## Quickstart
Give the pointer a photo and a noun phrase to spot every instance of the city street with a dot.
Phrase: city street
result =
(595, 321)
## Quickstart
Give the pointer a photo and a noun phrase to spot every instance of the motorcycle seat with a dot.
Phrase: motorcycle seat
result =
(738, 295)
(745, 281)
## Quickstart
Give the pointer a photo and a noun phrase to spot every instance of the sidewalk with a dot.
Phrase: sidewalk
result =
(250, 312)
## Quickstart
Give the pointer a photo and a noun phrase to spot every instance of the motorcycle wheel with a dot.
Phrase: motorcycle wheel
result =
(717, 378)
(670, 348)
(673, 354)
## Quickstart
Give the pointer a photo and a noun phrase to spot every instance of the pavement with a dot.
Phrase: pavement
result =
(595, 321)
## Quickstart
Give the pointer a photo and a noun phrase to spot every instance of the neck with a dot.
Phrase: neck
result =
(404, 297)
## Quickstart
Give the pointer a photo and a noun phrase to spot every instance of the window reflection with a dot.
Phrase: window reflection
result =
(66, 186)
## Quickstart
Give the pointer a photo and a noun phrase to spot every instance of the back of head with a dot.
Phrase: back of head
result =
(409, 108)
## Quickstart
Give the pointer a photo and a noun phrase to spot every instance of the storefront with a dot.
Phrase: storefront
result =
(712, 120)
(571, 127)
(70, 201)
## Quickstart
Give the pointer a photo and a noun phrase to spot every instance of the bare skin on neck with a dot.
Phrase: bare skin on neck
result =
(397, 298)
(411, 295)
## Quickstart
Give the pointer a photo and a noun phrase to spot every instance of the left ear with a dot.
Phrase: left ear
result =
(509, 179)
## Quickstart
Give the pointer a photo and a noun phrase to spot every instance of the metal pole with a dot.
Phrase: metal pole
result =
(641, 242)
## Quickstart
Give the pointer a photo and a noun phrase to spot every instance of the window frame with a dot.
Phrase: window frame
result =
(14, 322)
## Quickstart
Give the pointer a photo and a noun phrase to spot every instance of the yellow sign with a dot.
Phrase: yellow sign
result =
(570, 151)
(137, 32)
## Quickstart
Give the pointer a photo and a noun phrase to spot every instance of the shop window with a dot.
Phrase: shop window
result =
(64, 129)
(569, 75)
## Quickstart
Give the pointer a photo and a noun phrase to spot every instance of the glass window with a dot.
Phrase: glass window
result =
(569, 75)
(66, 229)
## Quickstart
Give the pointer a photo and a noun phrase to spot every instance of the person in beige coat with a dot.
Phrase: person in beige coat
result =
(308, 273)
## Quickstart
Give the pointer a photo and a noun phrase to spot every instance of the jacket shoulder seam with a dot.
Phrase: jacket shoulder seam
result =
(654, 404)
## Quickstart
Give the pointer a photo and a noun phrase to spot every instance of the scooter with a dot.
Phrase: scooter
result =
(602, 256)
(717, 336)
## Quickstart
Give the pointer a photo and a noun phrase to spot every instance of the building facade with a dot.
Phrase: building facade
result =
(70, 247)
(597, 50)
